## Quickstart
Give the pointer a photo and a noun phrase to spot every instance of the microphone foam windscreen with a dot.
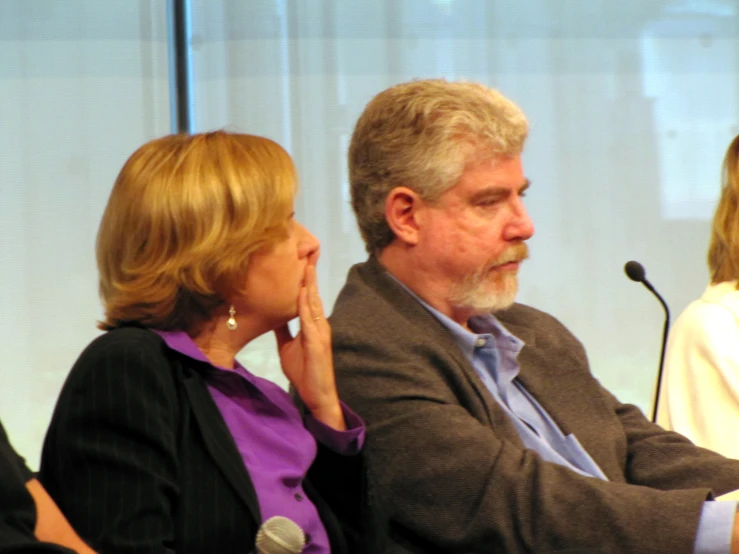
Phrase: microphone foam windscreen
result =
(635, 271)
(280, 535)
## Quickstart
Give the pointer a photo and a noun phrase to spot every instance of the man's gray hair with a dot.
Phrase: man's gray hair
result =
(422, 135)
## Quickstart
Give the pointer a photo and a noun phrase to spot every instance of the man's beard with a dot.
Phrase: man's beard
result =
(484, 292)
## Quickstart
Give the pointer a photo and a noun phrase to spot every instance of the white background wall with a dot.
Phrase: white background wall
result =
(632, 104)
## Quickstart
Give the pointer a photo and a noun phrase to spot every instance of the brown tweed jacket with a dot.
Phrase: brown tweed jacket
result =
(448, 470)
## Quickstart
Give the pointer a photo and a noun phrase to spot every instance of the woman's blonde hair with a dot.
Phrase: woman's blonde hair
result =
(422, 135)
(184, 215)
(723, 252)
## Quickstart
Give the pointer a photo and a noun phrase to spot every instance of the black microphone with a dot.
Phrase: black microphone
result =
(280, 535)
(635, 272)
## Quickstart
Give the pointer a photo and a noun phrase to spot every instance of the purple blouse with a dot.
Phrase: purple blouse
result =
(277, 445)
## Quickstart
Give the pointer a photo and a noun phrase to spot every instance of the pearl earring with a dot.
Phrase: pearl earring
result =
(231, 323)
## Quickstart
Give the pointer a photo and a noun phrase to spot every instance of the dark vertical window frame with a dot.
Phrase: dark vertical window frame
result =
(180, 65)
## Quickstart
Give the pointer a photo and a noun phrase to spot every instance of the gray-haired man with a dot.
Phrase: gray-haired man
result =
(486, 430)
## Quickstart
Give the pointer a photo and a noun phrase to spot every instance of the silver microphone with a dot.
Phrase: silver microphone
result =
(280, 535)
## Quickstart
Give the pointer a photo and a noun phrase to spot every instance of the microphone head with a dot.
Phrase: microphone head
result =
(635, 271)
(280, 535)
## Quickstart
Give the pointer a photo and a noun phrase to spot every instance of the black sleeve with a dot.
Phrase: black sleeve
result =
(11, 460)
(17, 509)
(12, 542)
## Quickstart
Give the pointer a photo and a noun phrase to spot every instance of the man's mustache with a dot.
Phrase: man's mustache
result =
(516, 253)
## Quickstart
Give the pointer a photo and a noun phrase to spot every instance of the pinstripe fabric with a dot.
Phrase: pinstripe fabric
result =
(139, 458)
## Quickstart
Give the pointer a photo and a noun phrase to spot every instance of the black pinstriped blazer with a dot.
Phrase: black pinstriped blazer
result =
(140, 460)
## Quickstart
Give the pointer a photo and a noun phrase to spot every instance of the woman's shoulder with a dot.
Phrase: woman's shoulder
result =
(123, 352)
(723, 295)
(126, 338)
(717, 306)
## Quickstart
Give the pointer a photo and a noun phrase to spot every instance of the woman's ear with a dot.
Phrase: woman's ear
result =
(401, 213)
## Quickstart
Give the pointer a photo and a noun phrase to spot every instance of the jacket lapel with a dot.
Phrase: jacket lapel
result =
(566, 394)
(219, 443)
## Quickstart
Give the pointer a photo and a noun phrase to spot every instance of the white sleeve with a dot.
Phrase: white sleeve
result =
(700, 387)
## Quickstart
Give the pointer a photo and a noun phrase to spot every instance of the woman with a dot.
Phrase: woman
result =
(700, 391)
(161, 441)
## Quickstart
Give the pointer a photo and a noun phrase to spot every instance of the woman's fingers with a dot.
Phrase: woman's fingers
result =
(314, 297)
(305, 311)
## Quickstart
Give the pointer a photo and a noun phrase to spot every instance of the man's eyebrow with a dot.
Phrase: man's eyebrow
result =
(499, 192)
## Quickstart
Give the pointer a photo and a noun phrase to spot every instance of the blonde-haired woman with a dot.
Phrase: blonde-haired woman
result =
(161, 441)
(700, 390)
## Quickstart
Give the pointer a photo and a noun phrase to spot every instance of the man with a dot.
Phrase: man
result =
(486, 430)
(28, 515)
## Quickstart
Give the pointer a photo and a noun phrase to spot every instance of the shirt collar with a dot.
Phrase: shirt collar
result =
(181, 342)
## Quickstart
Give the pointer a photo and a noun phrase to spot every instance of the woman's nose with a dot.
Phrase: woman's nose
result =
(308, 243)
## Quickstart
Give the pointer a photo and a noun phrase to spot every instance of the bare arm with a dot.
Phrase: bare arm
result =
(51, 525)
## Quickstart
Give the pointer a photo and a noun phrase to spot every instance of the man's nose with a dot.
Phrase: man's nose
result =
(520, 227)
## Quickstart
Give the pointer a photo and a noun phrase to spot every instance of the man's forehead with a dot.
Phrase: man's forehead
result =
(493, 163)
(495, 173)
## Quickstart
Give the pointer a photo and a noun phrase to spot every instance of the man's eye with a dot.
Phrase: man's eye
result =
(488, 202)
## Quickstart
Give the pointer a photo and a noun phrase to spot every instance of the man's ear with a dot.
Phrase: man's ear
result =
(401, 213)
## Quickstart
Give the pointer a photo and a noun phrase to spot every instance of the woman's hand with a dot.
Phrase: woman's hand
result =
(306, 359)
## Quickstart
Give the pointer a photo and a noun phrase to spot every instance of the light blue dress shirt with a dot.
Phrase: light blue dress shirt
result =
(493, 352)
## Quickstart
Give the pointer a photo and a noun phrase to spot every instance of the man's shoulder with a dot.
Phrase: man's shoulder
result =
(368, 294)
(360, 286)
(373, 308)
(537, 328)
(527, 316)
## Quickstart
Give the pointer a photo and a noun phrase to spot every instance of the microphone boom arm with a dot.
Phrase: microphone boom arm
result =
(664, 344)
(635, 272)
